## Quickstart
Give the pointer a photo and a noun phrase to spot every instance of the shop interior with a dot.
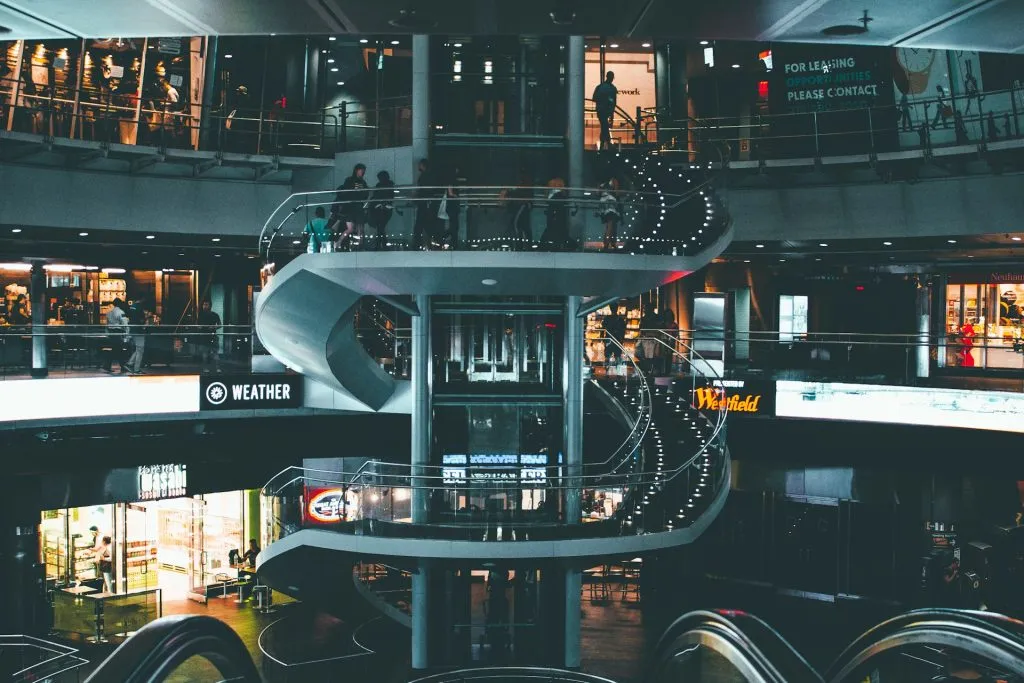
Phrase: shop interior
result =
(175, 549)
(983, 325)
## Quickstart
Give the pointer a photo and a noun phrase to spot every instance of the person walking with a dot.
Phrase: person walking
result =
(117, 336)
(382, 206)
(105, 560)
(453, 209)
(605, 99)
(427, 204)
(319, 236)
(649, 326)
(137, 338)
(615, 327)
(556, 233)
(671, 329)
(610, 213)
(943, 112)
(519, 201)
(350, 205)
(209, 323)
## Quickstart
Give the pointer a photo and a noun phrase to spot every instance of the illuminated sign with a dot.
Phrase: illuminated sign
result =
(162, 481)
(737, 397)
(223, 392)
(326, 506)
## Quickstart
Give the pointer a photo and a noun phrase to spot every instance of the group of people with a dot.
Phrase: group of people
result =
(438, 219)
(656, 347)
(126, 336)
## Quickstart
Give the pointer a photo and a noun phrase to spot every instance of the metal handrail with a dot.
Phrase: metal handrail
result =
(508, 673)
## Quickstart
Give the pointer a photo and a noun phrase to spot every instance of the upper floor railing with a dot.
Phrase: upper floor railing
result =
(96, 115)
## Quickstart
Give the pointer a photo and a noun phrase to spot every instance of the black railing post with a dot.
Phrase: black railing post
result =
(343, 132)
(637, 126)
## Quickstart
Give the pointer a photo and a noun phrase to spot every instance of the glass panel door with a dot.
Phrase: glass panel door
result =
(197, 551)
(140, 549)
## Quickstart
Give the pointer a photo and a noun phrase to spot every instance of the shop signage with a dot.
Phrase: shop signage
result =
(822, 78)
(169, 46)
(162, 481)
(743, 397)
(236, 392)
(459, 467)
(326, 505)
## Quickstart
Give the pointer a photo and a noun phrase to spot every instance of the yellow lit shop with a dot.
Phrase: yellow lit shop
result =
(166, 548)
(983, 322)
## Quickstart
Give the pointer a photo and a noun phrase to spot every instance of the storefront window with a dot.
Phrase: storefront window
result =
(792, 317)
(984, 325)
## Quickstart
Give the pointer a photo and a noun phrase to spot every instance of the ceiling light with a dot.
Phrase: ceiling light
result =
(614, 46)
(334, 69)
(735, 66)
(490, 282)
(296, 241)
(83, 234)
(456, 44)
(332, 39)
(645, 44)
(782, 260)
(217, 255)
(759, 246)
(228, 56)
(887, 243)
(150, 237)
(1015, 239)
(330, 60)
(703, 42)
(364, 41)
(112, 271)
(395, 42)
(16, 266)
(181, 253)
(823, 244)
(951, 241)
(15, 229)
(746, 260)
(61, 267)
(341, 82)
(215, 239)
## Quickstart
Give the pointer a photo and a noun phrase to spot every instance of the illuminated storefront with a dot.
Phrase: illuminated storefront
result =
(983, 322)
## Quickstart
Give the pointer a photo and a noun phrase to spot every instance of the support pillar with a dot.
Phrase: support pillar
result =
(420, 613)
(37, 295)
(420, 100)
(421, 410)
(576, 97)
(573, 589)
(207, 134)
(922, 355)
(572, 391)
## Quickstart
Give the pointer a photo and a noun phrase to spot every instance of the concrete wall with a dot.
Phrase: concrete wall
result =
(395, 160)
(956, 206)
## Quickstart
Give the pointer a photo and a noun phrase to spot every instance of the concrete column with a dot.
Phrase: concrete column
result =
(922, 355)
(207, 134)
(420, 100)
(572, 392)
(420, 612)
(37, 295)
(421, 412)
(573, 588)
(576, 96)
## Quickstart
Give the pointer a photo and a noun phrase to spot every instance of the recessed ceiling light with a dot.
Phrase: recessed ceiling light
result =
(364, 41)
(150, 237)
(83, 234)
(818, 259)
(735, 66)
(1015, 238)
(330, 60)
(181, 253)
(215, 239)
(823, 244)
(703, 42)
(490, 282)
(782, 260)
(228, 56)
(332, 39)
(887, 243)
(759, 246)
(15, 229)
(614, 46)
(950, 241)
(341, 82)
(395, 42)
(969, 256)
(217, 255)
(645, 44)
(334, 69)
(296, 241)
(746, 260)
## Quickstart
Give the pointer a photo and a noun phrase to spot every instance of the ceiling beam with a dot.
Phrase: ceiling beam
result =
(964, 11)
(794, 17)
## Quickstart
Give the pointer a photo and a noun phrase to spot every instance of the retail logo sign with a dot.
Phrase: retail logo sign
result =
(744, 397)
(325, 506)
(162, 481)
(240, 392)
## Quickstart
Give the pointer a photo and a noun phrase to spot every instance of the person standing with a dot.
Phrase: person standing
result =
(649, 326)
(556, 234)
(605, 99)
(209, 324)
(137, 338)
(318, 235)
(610, 213)
(520, 205)
(382, 206)
(615, 327)
(671, 329)
(105, 560)
(117, 335)
(427, 204)
(453, 209)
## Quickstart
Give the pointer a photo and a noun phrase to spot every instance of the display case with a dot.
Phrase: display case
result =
(630, 311)
(83, 559)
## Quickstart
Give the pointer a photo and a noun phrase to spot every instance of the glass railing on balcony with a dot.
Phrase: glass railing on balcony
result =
(107, 117)
(95, 350)
(921, 123)
(662, 477)
(27, 658)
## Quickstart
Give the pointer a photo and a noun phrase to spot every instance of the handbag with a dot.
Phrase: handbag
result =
(442, 210)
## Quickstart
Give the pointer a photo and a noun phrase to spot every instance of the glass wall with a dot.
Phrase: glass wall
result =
(983, 325)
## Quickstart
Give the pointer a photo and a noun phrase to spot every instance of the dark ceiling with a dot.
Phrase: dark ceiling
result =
(987, 25)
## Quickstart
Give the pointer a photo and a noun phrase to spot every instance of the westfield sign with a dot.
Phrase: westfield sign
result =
(736, 398)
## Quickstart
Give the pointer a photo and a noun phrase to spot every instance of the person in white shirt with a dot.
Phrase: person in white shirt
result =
(117, 336)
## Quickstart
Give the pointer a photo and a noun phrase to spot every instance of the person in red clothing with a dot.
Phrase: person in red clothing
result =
(967, 339)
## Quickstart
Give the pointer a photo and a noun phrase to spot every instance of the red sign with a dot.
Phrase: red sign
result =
(325, 505)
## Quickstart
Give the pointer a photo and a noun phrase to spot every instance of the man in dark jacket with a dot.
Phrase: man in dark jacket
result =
(382, 205)
(427, 205)
(605, 98)
(349, 205)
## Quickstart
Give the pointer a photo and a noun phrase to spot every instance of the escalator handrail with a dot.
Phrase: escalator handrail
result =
(736, 627)
(1006, 628)
(159, 647)
(511, 673)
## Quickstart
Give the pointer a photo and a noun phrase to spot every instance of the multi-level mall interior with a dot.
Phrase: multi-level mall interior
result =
(474, 340)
